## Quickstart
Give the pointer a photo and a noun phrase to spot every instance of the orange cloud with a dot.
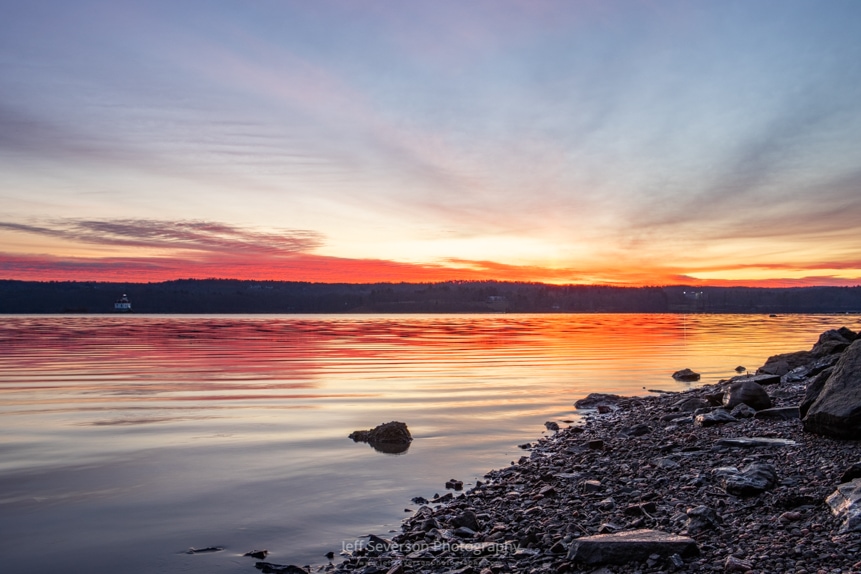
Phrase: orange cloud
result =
(162, 250)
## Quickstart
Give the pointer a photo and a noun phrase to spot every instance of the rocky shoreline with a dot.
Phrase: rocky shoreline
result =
(714, 479)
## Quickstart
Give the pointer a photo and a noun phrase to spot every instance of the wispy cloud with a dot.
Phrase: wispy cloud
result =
(228, 241)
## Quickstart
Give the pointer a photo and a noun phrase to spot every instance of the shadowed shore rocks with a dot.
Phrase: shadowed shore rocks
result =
(638, 485)
(836, 410)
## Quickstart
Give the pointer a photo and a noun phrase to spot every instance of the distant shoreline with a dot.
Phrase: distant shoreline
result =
(225, 296)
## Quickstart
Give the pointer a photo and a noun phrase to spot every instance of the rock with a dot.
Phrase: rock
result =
(754, 479)
(551, 426)
(593, 400)
(691, 404)
(592, 486)
(779, 413)
(748, 442)
(748, 392)
(833, 341)
(206, 550)
(269, 568)
(740, 369)
(814, 388)
(468, 519)
(733, 564)
(836, 412)
(392, 438)
(715, 417)
(636, 430)
(464, 532)
(377, 544)
(686, 375)
(701, 518)
(742, 411)
(845, 503)
(454, 484)
(596, 444)
(851, 473)
(259, 554)
(764, 379)
(714, 399)
(782, 364)
(630, 546)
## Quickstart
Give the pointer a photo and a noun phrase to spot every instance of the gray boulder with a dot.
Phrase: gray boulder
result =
(748, 392)
(836, 412)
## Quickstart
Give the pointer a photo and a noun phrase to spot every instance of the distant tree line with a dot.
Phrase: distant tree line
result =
(235, 296)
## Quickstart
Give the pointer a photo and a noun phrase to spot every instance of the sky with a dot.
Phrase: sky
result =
(638, 142)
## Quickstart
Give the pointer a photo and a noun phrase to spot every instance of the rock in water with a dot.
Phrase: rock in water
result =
(836, 412)
(748, 392)
(392, 437)
(630, 546)
(594, 400)
(686, 375)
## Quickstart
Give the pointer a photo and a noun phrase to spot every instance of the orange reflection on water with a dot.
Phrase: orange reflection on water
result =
(466, 361)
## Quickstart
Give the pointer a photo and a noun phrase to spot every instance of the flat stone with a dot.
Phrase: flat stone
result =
(845, 502)
(747, 442)
(779, 413)
(628, 546)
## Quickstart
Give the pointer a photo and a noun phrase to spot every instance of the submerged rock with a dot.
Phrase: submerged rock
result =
(393, 437)
(686, 375)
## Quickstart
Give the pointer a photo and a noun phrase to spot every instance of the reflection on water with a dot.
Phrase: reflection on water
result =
(128, 439)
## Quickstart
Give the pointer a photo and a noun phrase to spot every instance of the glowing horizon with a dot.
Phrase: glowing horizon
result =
(556, 142)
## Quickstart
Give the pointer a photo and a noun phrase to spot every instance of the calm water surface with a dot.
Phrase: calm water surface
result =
(128, 439)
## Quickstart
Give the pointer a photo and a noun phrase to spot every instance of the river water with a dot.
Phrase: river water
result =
(126, 440)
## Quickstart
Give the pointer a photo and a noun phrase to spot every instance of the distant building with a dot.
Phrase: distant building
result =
(123, 304)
